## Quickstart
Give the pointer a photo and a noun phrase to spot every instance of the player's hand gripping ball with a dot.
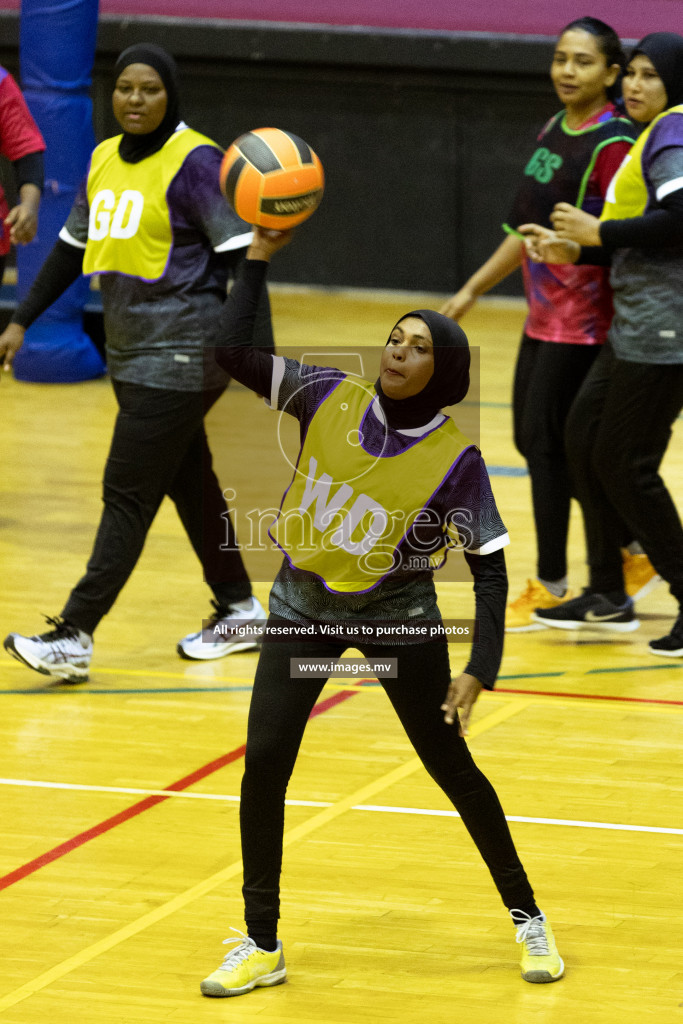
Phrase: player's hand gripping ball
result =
(272, 178)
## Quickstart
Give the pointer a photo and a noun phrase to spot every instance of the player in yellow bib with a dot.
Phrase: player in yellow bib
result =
(620, 423)
(151, 223)
(384, 485)
(129, 224)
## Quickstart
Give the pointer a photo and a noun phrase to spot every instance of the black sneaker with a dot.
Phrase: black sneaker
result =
(671, 645)
(589, 611)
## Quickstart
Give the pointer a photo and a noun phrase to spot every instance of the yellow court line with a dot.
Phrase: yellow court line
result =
(214, 881)
(249, 678)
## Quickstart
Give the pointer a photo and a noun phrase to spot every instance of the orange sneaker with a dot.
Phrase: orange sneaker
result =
(640, 575)
(518, 613)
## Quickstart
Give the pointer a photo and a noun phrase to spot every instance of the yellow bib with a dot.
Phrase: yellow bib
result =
(346, 511)
(130, 226)
(627, 193)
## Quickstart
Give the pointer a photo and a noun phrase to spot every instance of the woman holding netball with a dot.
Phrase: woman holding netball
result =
(570, 308)
(398, 478)
(621, 421)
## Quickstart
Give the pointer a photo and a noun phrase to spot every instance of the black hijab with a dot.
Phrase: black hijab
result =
(449, 382)
(134, 148)
(665, 50)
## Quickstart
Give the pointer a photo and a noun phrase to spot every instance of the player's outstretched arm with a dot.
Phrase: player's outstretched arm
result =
(233, 342)
(506, 258)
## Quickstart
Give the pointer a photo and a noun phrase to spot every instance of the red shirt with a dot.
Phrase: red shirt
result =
(19, 136)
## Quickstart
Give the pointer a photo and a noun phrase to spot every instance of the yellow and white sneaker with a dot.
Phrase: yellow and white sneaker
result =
(518, 613)
(640, 575)
(245, 967)
(541, 963)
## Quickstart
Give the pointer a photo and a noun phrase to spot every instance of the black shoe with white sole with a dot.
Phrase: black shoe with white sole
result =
(590, 611)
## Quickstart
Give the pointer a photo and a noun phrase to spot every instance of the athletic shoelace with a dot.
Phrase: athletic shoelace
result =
(244, 948)
(61, 631)
(533, 933)
(220, 612)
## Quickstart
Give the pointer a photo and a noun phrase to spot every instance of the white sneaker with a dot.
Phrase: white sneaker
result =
(64, 651)
(227, 631)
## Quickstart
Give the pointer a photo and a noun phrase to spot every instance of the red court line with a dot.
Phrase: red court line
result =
(589, 696)
(149, 801)
(579, 696)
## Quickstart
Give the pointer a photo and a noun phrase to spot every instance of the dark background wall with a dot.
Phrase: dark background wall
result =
(422, 134)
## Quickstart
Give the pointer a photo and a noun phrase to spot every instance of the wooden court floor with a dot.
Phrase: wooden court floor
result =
(119, 866)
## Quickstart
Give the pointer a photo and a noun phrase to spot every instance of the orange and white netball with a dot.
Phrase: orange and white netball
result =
(272, 178)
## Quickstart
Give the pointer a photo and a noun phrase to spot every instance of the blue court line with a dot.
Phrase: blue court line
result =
(632, 668)
(534, 675)
(507, 470)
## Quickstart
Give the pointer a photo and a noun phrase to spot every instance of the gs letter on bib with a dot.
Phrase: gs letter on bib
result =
(543, 165)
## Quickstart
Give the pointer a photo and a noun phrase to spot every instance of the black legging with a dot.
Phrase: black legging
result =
(280, 707)
(547, 377)
(159, 448)
(617, 433)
